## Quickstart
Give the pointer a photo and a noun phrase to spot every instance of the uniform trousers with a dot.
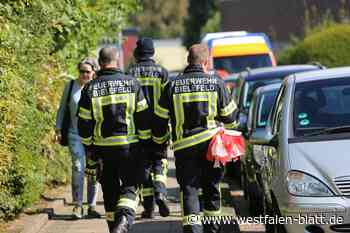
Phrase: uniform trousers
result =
(156, 174)
(193, 173)
(120, 179)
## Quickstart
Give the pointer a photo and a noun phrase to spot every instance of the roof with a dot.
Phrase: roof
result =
(239, 44)
(340, 72)
(276, 72)
(269, 87)
(210, 36)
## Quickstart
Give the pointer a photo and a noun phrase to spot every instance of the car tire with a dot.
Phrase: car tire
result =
(273, 210)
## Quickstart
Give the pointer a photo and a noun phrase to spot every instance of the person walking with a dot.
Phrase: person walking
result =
(152, 78)
(87, 68)
(113, 121)
(196, 103)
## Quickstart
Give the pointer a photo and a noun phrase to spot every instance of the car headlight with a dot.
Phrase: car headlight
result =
(301, 184)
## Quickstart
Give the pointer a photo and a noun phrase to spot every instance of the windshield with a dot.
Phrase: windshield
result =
(265, 104)
(320, 105)
(237, 64)
(251, 86)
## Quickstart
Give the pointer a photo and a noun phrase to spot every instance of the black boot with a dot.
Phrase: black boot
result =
(162, 204)
(147, 214)
(111, 225)
(122, 225)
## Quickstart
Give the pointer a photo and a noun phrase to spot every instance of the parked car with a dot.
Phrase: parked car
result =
(232, 52)
(306, 168)
(251, 79)
(261, 104)
(247, 82)
(231, 83)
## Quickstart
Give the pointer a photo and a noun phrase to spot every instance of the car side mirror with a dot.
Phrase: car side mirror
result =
(263, 136)
(242, 122)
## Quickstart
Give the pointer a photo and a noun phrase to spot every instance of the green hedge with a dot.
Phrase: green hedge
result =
(329, 45)
(39, 41)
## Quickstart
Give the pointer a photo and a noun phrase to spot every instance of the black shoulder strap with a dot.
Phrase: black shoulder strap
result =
(70, 91)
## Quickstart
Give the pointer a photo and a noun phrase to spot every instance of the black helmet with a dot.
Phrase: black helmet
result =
(144, 48)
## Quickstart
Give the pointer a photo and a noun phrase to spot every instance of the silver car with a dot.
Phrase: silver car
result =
(306, 171)
(259, 109)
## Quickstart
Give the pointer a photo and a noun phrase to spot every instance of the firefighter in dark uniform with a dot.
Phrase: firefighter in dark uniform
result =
(196, 103)
(112, 122)
(152, 78)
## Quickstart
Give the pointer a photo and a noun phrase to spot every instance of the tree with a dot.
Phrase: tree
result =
(161, 18)
(199, 11)
(39, 40)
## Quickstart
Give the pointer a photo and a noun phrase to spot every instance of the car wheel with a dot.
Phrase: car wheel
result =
(272, 210)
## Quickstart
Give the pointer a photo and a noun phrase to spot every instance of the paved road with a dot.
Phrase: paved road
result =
(60, 221)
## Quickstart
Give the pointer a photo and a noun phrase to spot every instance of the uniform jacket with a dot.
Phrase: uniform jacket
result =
(196, 104)
(113, 111)
(152, 78)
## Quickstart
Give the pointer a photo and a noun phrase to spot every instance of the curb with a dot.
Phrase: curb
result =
(34, 219)
(32, 223)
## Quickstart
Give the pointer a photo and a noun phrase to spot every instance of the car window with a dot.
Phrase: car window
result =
(237, 64)
(251, 86)
(321, 104)
(277, 110)
(264, 107)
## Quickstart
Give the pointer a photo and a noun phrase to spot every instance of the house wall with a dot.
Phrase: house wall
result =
(280, 19)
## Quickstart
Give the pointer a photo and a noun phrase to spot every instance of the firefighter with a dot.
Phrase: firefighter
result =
(152, 78)
(112, 122)
(196, 103)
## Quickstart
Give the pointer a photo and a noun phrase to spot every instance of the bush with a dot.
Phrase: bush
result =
(329, 46)
(39, 40)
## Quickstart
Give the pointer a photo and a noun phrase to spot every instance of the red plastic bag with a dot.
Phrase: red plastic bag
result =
(225, 146)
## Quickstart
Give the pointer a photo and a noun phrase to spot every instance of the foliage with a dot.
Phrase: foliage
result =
(329, 46)
(39, 41)
(199, 12)
(213, 24)
(162, 18)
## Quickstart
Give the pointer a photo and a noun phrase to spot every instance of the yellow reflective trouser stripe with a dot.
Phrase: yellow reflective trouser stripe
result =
(161, 140)
(228, 109)
(145, 134)
(141, 105)
(165, 167)
(146, 192)
(125, 202)
(84, 113)
(191, 219)
(160, 178)
(230, 125)
(161, 112)
(195, 139)
(109, 216)
(86, 141)
(212, 212)
(116, 140)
